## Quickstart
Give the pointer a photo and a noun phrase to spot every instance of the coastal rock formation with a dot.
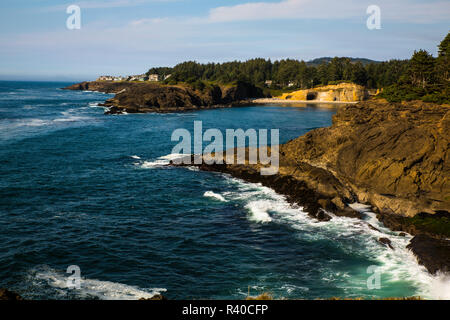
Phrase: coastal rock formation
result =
(387, 242)
(5, 294)
(101, 86)
(132, 97)
(343, 92)
(432, 253)
(394, 157)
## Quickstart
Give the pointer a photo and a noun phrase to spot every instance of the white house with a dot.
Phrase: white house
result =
(153, 77)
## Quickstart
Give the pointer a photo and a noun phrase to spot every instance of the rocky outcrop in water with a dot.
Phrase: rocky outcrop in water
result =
(5, 294)
(132, 97)
(432, 253)
(394, 157)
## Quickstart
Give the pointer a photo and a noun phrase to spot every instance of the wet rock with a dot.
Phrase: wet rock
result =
(432, 253)
(320, 215)
(433, 225)
(156, 297)
(5, 294)
(373, 228)
(349, 212)
(386, 242)
(402, 234)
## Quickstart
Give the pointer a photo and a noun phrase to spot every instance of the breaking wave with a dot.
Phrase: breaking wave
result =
(396, 266)
(211, 194)
(159, 162)
(54, 283)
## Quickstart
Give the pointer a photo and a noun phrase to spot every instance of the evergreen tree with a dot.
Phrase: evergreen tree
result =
(421, 68)
(443, 60)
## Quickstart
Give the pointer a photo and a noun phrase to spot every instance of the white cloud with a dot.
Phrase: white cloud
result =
(400, 10)
(148, 21)
(103, 4)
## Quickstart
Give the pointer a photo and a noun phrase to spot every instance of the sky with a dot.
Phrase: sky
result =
(124, 37)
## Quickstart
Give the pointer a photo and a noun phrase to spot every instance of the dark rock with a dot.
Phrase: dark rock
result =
(402, 234)
(349, 212)
(386, 242)
(433, 225)
(373, 228)
(154, 298)
(145, 97)
(5, 294)
(432, 253)
(320, 215)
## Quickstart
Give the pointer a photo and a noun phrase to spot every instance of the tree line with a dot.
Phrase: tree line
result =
(426, 78)
(422, 75)
(287, 73)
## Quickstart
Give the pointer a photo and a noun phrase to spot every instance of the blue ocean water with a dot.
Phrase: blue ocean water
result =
(82, 188)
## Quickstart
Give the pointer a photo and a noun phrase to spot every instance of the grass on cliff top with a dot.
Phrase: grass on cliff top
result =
(439, 224)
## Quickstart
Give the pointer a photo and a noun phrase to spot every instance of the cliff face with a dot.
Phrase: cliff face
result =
(394, 156)
(344, 92)
(102, 86)
(133, 97)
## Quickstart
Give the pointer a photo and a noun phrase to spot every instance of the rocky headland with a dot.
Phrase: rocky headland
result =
(393, 157)
(143, 97)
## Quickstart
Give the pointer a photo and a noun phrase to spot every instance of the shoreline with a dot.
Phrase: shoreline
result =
(431, 251)
(329, 168)
(283, 101)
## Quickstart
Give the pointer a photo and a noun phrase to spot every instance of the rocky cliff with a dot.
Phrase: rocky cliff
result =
(141, 97)
(394, 157)
(343, 92)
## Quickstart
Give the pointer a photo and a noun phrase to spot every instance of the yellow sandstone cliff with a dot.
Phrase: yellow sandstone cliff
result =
(344, 92)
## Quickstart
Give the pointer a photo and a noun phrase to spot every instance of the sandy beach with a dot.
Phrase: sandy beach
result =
(283, 101)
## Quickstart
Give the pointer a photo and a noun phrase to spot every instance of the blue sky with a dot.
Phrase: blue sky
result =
(121, 37)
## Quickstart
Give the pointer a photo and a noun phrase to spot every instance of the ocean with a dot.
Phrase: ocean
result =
(82, 188)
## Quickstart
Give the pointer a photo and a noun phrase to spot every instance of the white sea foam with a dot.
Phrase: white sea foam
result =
(152, 164)
(8, 124)
(159, 162)
(105, 290)
(136, 157)
(259, 210)
(396, 266)
(32, 122)
(173, 156)
(72, 118)
(211, 194)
